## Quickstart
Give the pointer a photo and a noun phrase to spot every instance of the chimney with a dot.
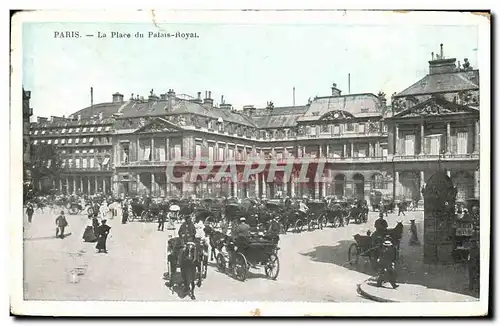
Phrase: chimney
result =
(208, 102)
(221, 99)
(117, 98)
(198, 98)
(335, 90)
(440, 65)
(170, 99)
(91, 96)
(248, 110)
(163, 96)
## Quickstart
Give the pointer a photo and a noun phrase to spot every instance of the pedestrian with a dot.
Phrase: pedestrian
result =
(386, 263)
(402, 208)
(473, 266)
(413, 234)
(61, 224)
(29, 212)
(124, 213)
(102, 236)
(161, 220)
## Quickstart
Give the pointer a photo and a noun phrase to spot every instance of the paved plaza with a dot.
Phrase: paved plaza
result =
(313, 267)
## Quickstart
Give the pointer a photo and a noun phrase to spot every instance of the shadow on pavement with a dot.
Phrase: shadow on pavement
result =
(410, 267)
(47, 237)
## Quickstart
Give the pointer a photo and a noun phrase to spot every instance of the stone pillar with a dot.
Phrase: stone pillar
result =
(285, 188)
(344, 153)
(67, 185)
(396, 183)
(323, 189)
(396, 135)
(104, 185)
(422, 185)
(74, 185)
(264, 186)
(448, 173)
(81, 184)
(60, 186)
(153, 186)
(476, 184)
(167, 154)
(139, 150)
(88, 184)
(292, 185)
(352, 149)
(327, 150)
(370, 150)
(377, 152)
(96, 189)
(476, 137)
(235, 189)
(448, 138)
(422, 138)
(152, 148)
(257, 192)
(316, 190)
(320, 151)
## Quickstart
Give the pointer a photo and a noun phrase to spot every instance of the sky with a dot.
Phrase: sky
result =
(248, 64)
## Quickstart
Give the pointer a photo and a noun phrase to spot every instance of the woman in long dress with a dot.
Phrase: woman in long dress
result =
(414, 241)
(102, 236)
(88, 234)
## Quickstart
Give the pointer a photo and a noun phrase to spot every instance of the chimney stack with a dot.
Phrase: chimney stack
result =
(432, 55)
(222, 99)
(208, 102)
(335, 90)
(91, 96)
(170, 99)
(440, 65)
(117, 98)
(248, 110)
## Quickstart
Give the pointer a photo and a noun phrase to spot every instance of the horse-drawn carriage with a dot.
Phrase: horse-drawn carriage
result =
(146, 213)
(335, 214)
(192, 258)
(242, 254)
(358, 212)
(316, 210)
(370, 245)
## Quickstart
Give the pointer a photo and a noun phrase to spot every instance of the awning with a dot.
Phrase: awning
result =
(106, 160)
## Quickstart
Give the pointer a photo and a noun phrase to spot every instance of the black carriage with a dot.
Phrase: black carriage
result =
(335, 214)
(358, 213)
(175, 247)
(316, 210)
(256, 252)
(141, 212)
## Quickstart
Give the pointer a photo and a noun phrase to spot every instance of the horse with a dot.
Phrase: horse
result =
(216, 239)
(189, 265)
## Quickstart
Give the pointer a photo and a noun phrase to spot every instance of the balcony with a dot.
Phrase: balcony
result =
(87, 169)
(436, 157)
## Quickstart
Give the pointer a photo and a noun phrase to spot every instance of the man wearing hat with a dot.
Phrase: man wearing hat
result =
(413, 234)
(187, 231)
(61, 224)
(386, 263)
(242, 230)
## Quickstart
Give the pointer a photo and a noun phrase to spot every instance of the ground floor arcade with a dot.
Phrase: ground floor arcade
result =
(83, 184)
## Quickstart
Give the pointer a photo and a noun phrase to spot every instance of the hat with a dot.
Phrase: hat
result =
(412, 220)
(62, 212)
(242, 219)
(103, 221)
(387, 243)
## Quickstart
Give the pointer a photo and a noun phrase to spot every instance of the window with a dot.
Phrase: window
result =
(91, 139)
(70, 163)
(108, 128)
(99, 129)
(77, 151)
(43, 132)
(84, 163)
(361, 128)
(91, 163)
(77, 130)
(35, 142)
(221, 154)
(197, 151)
(210, 153)
(77, 163)
(85, 129)
(56, 141)
(49, 141)
(70, 130)
(350, 126)
(92, 129)
(125, 152)
(105, 162)
(336, 130)
(36, 132)
(231, 154)
(77, 140)
(70, 141)
(63, 141)
(147, 154)
(84, 140)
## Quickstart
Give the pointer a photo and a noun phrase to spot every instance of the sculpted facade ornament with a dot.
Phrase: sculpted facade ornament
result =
(336, 115)
(300, 130)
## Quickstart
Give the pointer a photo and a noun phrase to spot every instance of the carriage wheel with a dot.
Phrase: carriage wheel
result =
(273, 226)
(272, 267)
(353, 254)
(210, 222)
(221, 263)
(322, 221)
(144, 215)
(285, 226)
(240, 267)
(299, 225)
(336, 221)
(90, 211)
(311, 226)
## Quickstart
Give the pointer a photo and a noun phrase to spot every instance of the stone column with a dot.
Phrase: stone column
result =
(320, 151)
(152, 148)
(422, 185)
(264, 186)
(370, 149)
(352, 149)
(327, 150)
(396, 182)
(74, 185)
(476, 184)
(81, 184)
(139, 150)
(448, 138)
(153, 186)
(104, 185)
(167, 154)
(235, 189)
(292, 185)
(96, 189)
(422, 138)
(88, 184)
(396, 134)
(60, 186)
(476, 137)
(285, 188)
(448, 173)
(344, 153)
(323, 189)
(67, 185)
(257, 180)
(316, 190)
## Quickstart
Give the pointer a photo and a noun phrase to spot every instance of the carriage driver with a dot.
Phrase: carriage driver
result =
(187, 231)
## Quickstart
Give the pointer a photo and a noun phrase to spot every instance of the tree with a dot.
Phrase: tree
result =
(46, 162)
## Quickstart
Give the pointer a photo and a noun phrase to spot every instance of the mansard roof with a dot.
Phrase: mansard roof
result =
(444, 82)
(285, 116)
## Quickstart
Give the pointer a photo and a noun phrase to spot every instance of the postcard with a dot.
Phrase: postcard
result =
(250, 163)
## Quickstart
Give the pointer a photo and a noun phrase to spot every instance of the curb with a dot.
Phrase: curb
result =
(371, 296)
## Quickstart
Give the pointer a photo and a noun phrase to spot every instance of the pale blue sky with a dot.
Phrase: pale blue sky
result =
(248, 64)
